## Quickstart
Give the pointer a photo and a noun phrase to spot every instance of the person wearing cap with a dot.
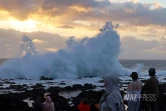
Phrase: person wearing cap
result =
(151, 91)
(133, 92)
(112, 99)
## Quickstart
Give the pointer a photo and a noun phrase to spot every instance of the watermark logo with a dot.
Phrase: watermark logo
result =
(137, 97)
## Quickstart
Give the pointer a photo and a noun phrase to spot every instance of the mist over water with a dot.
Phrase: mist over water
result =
(95, 56)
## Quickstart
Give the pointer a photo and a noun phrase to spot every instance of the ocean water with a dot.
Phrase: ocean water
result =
(159, 65)
(128, 63)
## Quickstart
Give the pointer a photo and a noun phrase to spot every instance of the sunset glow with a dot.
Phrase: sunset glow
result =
(24, 26)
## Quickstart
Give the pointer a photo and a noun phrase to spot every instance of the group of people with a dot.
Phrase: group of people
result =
(48, 105)
(137, 93)
(112, 99)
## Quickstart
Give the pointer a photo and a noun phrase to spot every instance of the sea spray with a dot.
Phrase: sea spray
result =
(95, 56)
(27, 47)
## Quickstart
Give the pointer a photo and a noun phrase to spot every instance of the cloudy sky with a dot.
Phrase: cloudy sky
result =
(142, 24)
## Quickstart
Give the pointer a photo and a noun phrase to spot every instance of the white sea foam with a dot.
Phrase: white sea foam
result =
(95, 56)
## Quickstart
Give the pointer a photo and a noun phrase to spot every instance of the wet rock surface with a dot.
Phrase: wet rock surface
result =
(14, 101)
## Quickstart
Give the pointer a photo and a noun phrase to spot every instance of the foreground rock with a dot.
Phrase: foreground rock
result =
(11, 102)
(14, 101)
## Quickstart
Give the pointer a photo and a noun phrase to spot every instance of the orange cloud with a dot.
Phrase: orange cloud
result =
(51, 15)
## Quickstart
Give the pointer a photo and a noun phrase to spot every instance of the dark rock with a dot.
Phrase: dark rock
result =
(38, 85)
(22, 78)
(54, 89)
(62, 84)
(78, 87)
(8, 82)
(25, 86)
(11, 102)
(36, 92)
(45, 78)
(89, 86)
(50, 82)
(17, 87)
(68, 88)
(89, 76)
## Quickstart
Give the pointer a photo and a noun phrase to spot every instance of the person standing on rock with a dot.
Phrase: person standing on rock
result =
(48, 104)
(151, 91)
(84, 106)
(133, 92)
(112, 99)
(37, 105)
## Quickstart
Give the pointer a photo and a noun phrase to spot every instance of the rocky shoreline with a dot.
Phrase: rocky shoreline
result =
(15, 101)
(17, 94)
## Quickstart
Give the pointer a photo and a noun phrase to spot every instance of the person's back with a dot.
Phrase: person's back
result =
(134, 90)
(84, 106)
(151, 86)
(48, 104)
(151, 90)
(112, 99)
(135, 86)
(37, 105)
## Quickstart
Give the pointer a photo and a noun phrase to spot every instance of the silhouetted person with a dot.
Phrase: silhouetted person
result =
(151, 91)
(37, 105)
(84, 106)
(112, 99)
(133, 91)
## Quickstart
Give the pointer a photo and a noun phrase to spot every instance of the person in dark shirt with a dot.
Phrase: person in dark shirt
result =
(151, 91)
(37, 105)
